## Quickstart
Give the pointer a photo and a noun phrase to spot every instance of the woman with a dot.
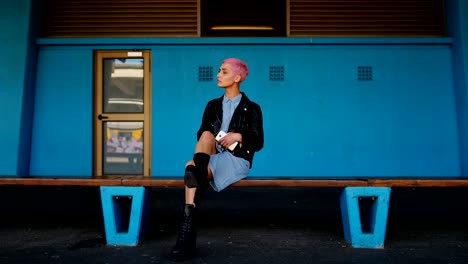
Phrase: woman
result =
(230, 133)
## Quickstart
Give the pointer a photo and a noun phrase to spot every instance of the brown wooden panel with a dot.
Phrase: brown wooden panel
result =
(306, 18)
(366, 18)
(121, 18)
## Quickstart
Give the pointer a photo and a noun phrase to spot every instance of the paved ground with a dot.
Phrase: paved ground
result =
(64, 225)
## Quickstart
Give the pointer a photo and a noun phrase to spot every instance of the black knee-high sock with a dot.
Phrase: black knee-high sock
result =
(201, 163)
(190, 178)
(196, 176)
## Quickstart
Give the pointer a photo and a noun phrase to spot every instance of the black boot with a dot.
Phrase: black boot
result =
(185, 247)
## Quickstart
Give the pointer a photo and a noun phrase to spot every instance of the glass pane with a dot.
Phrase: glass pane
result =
(123, 85)
(123, 148)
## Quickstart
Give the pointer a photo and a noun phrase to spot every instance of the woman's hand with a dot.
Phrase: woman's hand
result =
(230, 139)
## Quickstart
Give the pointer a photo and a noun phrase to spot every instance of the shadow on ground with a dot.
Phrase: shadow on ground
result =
(248, 225)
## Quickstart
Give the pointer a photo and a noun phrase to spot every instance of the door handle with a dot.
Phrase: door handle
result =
(101, 117)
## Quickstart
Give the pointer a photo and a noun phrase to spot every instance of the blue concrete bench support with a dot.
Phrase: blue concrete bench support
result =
(362, 228)
(376, 216)
(115, 214)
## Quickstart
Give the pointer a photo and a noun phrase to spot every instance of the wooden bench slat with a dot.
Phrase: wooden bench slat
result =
(160, 182)
(252, 182)
(299, 183)
(418, 183)
(152, 182)
(61, 181)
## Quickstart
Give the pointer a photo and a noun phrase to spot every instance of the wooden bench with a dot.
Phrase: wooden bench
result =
(175, 182)
(138, 188)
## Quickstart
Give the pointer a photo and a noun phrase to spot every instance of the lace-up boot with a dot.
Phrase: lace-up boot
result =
(185, 247)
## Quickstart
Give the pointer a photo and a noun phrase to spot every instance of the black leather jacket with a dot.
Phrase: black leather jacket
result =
(247, 120)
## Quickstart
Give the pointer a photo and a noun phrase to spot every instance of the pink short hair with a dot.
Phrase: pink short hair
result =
(239, 67)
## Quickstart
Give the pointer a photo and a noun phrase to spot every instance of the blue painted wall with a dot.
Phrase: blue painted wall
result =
(409, 121)
(62, 134)
(19, 29)
(457, 25)
(320, 121)
(36, 17)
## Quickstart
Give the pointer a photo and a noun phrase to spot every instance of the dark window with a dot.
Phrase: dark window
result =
(243, 18)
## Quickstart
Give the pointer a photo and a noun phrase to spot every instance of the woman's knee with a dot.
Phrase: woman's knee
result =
(206, 143)
(206, 136)
(190, 162)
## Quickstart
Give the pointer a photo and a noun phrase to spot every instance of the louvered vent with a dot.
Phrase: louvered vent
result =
(277, 73)
(205, 73)
(364, 73)
(122, 18)
(366, 18)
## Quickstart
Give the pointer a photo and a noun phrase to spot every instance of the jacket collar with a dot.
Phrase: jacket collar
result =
(219, 105)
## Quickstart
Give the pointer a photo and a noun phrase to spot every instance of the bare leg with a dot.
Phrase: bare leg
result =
(206, 144)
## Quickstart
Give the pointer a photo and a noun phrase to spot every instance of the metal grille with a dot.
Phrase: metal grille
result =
(277, 73)
(364, 73)
(205, 73)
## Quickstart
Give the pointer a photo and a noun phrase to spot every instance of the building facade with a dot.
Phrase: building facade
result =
(333, 106)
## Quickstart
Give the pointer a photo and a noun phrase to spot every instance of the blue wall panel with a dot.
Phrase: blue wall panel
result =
(37, 11)
(457, 23)
(62, 129)
(319, 121)
(14, 25)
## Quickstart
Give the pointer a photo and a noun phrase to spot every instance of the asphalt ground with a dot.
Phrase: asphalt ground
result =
(238, 225)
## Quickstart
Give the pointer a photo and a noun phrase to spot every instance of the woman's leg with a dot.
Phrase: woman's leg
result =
(197, 173)
(205, 147)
